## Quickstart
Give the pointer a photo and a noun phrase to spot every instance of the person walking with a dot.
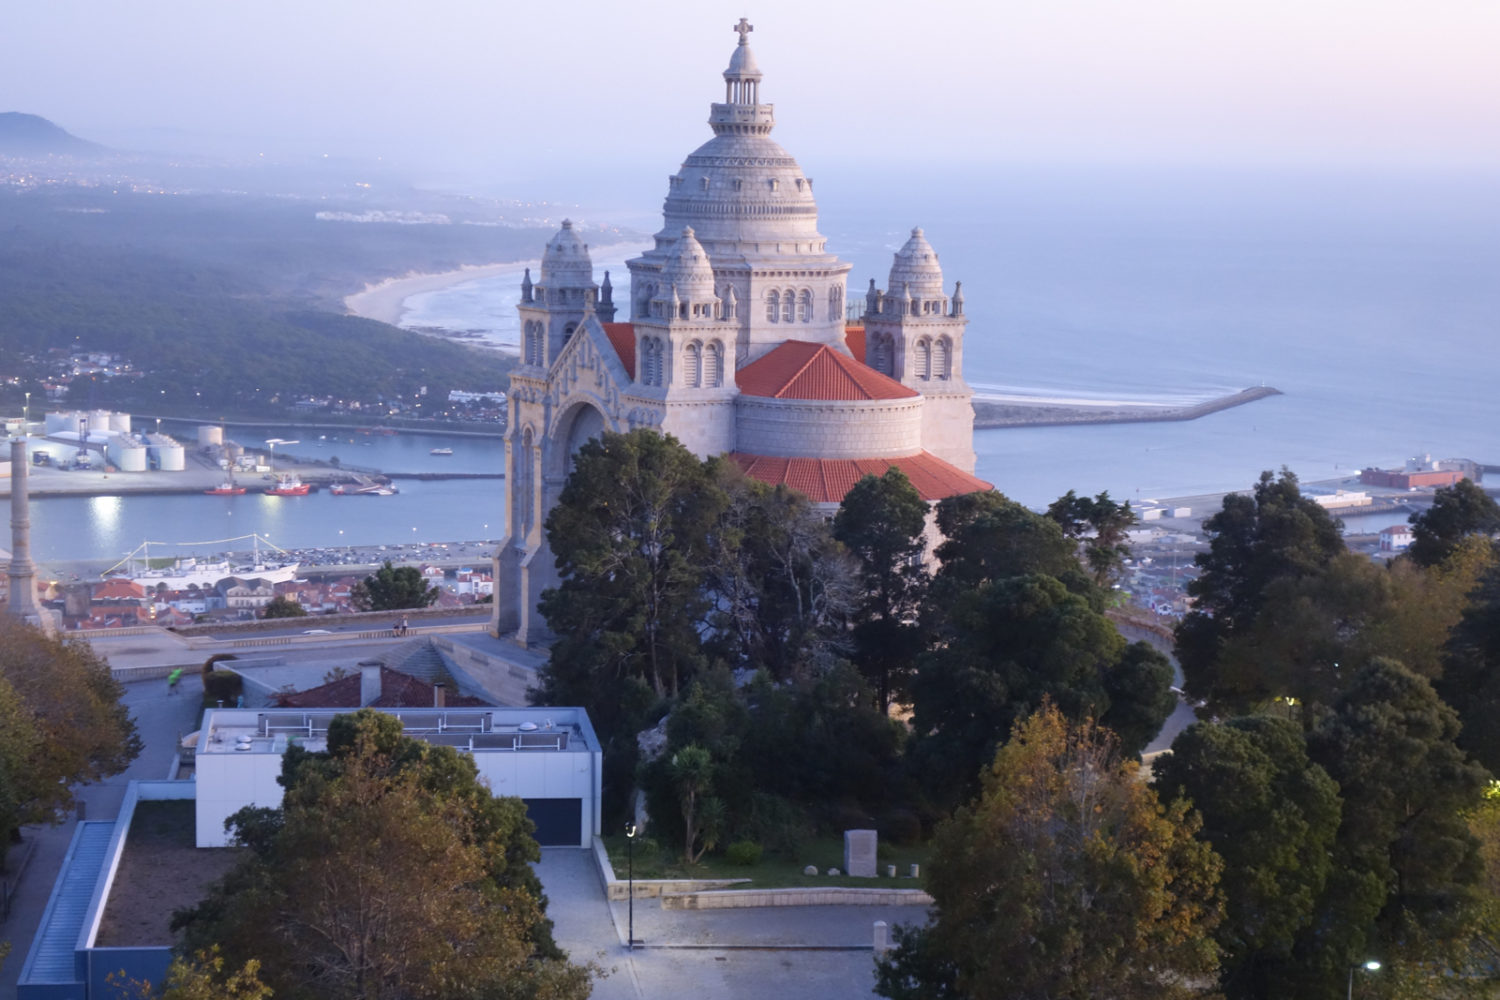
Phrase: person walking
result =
(172, 679)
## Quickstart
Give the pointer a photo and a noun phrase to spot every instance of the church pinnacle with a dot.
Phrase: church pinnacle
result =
(742, 113)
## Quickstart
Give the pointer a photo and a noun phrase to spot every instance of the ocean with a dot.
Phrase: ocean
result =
(1372, 300)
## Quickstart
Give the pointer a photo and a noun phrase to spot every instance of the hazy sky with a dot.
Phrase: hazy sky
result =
(486, 83)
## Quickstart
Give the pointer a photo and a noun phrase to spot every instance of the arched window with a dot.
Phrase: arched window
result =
(773, 305)
(835, 303)
(693, 365)
(534, 347)
(924, 359)
(788, 305)
(880, 354)
(804, 305)
(943, 363)
(525, 473)
(713, 365)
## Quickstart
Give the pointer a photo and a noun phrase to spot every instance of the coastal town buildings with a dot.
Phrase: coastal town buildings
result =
(732, 338)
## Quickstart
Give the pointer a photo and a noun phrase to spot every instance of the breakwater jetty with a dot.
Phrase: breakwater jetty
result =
(993, 413)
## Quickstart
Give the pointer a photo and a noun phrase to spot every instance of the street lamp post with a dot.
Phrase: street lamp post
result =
(1370, 966)
(630, 884)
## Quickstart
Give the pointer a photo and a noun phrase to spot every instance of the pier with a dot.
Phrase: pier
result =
(989, 414)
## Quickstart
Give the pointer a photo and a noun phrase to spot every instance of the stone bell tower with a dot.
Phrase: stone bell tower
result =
(915, 334)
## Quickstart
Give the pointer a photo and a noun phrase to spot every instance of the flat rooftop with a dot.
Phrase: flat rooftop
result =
(475, 730)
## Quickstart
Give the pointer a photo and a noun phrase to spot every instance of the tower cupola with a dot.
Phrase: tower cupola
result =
(690, 276)
(566, 263)
(915, 270)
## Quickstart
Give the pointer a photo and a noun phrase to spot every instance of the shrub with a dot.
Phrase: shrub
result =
(900, 826)
(745, 853)
(208, 664)
(222, 685)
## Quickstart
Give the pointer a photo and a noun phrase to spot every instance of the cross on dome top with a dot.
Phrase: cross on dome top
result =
(744, 28)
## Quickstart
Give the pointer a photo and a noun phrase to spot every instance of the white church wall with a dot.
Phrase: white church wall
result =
(705, 429)
(829, 429)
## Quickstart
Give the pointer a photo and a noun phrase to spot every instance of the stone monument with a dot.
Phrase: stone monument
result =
(859, 853)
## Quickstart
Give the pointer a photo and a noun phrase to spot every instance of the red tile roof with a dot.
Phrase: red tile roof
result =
(854, 339)
(622, 336)
(826, 480)
(397, 690)
(799, 369)
(117, 588)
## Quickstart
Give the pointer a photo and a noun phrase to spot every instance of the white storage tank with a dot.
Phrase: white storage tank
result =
(99, 420)
(169, 455)
(61, 420)
(119, 422)
(127, 454)
(208, 435)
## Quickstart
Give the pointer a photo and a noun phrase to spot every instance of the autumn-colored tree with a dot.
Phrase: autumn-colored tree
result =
(388, 872)
(61, 724)
(1066, 879)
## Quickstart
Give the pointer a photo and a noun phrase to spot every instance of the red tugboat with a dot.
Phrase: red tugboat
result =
(289, 486)
(228, 488)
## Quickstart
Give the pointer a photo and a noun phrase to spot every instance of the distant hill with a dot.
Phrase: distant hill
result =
(31, 135)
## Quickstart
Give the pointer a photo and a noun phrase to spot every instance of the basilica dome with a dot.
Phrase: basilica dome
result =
(741, 187)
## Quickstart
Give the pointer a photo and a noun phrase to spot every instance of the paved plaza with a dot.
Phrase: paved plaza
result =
(786, 953)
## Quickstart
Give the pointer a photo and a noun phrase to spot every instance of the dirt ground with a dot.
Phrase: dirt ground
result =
(160, 871)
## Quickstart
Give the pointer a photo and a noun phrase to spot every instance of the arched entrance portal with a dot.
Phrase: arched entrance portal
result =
(580, 425)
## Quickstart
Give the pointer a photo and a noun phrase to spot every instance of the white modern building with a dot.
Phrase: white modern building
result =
(547, 757)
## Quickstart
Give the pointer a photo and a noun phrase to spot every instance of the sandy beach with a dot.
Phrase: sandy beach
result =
(385, 301)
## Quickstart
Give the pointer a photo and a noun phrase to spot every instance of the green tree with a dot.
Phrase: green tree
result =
(1012, 645)
(1457, 512)
(881, 521)
(1066, 878)
(1100, 525)
(393, 588)
(282, 606)
(987, 536)
(1255, 540)
(783, 588)
(388, 871)
(692, 774)
(1271, 814)
(1406, 869)
(61, 724)
(630, 533)
(1470, 680)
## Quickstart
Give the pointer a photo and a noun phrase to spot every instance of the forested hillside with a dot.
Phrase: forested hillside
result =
(224, 303)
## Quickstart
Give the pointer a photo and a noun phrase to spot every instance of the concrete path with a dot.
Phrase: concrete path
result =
(748, 954)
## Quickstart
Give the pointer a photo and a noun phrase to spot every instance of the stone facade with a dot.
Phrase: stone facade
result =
(735, 314)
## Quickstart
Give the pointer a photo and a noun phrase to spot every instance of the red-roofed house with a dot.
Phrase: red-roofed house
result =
(376, 685)
(736, 342)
